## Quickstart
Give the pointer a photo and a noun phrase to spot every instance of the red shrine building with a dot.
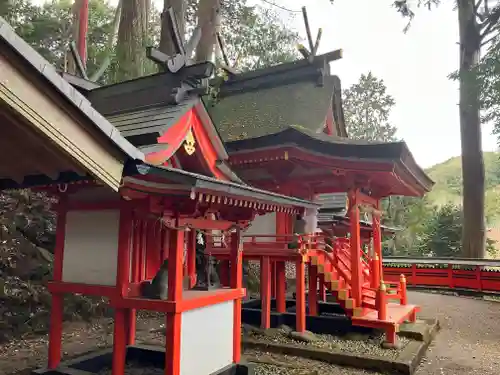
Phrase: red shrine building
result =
(140, 167)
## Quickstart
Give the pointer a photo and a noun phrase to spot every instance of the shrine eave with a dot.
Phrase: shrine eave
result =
(395, 154)
(197, 183)
(13, 43)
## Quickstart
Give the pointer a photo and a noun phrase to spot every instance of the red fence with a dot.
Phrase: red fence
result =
(466, 274)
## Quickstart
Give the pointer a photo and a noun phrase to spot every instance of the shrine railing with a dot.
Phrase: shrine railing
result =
(476, 275)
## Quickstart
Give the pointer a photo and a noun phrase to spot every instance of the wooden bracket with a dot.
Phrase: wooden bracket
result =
(78, 60)
(173, 27)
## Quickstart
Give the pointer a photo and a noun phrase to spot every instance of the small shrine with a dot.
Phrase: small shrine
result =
(131, 201)
(143, 168)
(284, 131)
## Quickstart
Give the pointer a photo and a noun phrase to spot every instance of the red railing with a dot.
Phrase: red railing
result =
(481, 275)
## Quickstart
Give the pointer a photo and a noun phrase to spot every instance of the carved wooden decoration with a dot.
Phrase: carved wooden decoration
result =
(183, 52)
(313, 48)
(189, 143)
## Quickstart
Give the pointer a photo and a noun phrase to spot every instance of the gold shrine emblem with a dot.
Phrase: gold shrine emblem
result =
(189, 143)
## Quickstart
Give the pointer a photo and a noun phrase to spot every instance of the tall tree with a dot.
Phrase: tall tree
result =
(477, 24)
(254, 37)
(166, 42)
(367, 107)
(132, 37)
(208, 16)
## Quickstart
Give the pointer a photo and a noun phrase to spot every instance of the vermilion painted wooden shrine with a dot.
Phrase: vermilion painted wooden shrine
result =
(141, 166)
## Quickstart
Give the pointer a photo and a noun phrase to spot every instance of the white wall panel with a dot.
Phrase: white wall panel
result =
(263, 224)
(207, 339)
(91, 247)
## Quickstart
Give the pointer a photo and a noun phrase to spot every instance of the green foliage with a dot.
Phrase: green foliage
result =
(448, 188)
(442, 234)
(367, 107)
(408, 215)
(255, 37)
(487, 74)
(47, 28)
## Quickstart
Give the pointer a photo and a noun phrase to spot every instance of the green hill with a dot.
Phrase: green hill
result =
(448, 188)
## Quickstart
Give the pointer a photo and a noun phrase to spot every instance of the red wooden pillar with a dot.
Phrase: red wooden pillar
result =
(191, 258)
(142, 250)
(273, 279)
(377, 246)
(265, 292)
(122, 281)
(236, 283)
(355, 249)
(136, 251)
(131, 314)
(322, 289)
(153, 256)
(300, 292)
(224, 273)
(313, 290)
(280, 287)
(282, 229)
(82, 31)
(56, 309)
(173, 320)
(165, 243)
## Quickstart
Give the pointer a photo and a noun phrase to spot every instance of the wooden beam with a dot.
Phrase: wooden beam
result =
(193, 42)
(78, 60)
(303, 51)
(316, 45)
(308, 29)
(156, 55)
(174, 31)
(206, 224)
(222, 49)
(332, 56)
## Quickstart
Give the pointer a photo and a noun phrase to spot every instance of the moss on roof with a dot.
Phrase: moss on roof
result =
(267, 111)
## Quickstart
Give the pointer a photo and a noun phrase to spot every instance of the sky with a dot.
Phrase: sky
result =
(414, 66)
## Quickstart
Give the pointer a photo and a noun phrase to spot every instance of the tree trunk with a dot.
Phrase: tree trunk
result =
(166, 40)
(208, 19)
(110, 43)
(130, 49)
(473, 235)
(75, 10)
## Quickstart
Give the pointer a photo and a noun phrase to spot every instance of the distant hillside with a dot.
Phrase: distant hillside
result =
(448, 178)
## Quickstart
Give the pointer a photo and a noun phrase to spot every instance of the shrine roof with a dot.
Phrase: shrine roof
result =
(34, 60)
(225, 188)
(267, 101)
(338, 147)
(135, 125)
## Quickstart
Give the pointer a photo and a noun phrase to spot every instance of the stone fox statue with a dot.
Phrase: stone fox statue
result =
(158, 288)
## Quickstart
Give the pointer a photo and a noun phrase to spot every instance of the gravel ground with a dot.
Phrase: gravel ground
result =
(468, 344)
(469, 340)
(271, 363)
(363, 344)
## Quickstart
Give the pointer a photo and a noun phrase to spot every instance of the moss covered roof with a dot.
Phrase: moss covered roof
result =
(257, 113)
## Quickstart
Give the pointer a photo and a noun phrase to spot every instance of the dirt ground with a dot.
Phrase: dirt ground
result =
(468, 344)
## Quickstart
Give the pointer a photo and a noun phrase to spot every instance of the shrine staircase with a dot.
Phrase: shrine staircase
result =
(378, 305)
(367, 299)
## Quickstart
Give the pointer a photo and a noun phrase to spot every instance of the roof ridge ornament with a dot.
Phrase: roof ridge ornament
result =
(310, 53)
